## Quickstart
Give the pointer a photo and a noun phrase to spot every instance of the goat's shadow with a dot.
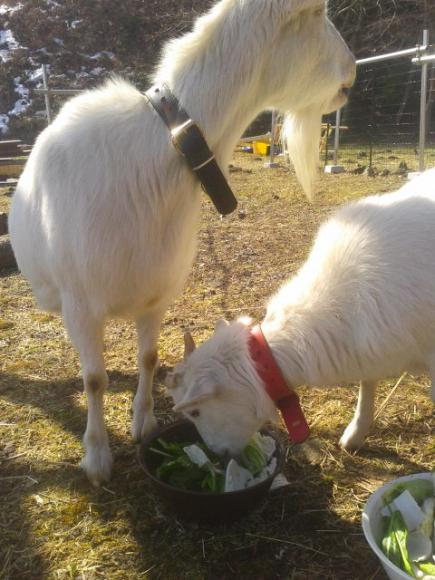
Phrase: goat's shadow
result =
(20, 478)
(282, 536)
(221, 271)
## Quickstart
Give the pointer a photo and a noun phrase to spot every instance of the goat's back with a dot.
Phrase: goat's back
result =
(101, 207)
(369, 280)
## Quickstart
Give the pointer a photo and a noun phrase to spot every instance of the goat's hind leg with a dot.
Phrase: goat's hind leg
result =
(355, 433)
(86, 333)
(144, 422)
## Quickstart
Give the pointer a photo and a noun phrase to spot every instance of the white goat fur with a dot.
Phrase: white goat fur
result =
(105, 217)
(362, 307)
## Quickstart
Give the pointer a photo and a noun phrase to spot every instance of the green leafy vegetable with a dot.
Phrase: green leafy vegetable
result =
(389, 544)
(194, 467)
(253, 458)
(427, 568)
(420, 489)
(408, 527)
(394, 543)
(178, 470)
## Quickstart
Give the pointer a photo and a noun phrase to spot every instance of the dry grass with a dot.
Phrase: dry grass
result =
(4, 199)
(54, 525)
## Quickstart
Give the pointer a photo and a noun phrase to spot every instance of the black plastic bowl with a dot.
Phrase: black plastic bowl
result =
(202, 506)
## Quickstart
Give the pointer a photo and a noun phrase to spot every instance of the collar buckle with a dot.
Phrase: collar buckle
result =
(177, 132)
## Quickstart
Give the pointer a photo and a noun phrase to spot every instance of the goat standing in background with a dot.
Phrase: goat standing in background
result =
(105, 217)
(362, 307)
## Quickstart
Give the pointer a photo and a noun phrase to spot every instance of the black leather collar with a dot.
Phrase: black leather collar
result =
(189, 141)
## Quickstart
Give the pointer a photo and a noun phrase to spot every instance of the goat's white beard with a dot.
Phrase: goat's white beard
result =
(301, 132)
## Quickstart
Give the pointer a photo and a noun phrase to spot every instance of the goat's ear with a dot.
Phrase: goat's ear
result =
(246, 321)
(195, 396)
(189, 345)
(221, 324)
(173, 378)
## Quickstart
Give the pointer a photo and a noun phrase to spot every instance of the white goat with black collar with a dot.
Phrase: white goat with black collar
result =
(362, 307)
(105, 217)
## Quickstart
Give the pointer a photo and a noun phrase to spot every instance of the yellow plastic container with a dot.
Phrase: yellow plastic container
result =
(261, 148)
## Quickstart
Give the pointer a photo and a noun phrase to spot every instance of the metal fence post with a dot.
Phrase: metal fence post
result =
(337, 135)
(46, 92)
(272, 140)
(271, 163)
(423, 98)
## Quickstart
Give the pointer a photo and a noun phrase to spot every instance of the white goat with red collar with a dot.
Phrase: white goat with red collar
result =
(362, 307)
(105, 217)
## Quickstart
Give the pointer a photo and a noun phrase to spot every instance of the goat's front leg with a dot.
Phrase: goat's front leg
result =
(355, 433)
(87, 335)
(144, 421)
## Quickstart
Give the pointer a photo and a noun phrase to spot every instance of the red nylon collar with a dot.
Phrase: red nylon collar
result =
(276, 387)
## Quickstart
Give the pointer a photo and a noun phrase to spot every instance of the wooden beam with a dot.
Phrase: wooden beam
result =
(7, 258)
(3, 224)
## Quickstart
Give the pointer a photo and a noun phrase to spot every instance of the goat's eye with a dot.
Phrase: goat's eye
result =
(194, 414)
(319, 12)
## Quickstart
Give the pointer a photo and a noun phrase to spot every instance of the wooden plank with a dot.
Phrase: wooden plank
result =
(11, 170)
(12, 167)
(13, 160)
(10, 148)
(9, 184)
(7, 258)
(3, 224)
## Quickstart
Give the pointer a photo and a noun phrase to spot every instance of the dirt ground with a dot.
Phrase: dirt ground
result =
(53, 524)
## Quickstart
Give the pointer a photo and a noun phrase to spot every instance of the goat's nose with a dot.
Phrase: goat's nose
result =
(345, 90)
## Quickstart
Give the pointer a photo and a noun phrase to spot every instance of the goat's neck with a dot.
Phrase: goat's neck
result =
(221, 111)
(219, 87)
(309, 352)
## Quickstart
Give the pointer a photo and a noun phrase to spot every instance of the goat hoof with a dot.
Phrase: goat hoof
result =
(140, 430)
(97, 464)
(351, 444)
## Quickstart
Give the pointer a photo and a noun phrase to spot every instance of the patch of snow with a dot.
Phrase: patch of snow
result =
(4, 122)
(7, 39)
(44, 51)
(20, 88)
(35, 75)
(75, 23)
(23, 103)
(20, 107)
(58, 41)
(101, 54)
(98, 70)
(4, 9)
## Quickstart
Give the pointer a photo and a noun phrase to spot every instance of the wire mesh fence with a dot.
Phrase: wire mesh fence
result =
(380, 126)
(430, 117)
